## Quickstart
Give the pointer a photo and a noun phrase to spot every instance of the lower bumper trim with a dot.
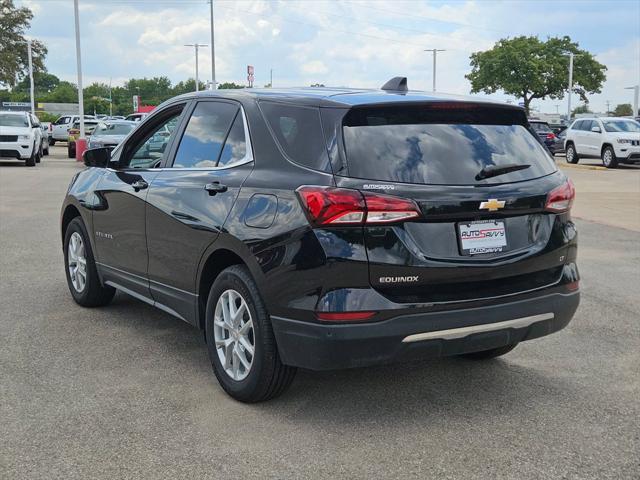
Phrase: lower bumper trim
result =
(462, 332)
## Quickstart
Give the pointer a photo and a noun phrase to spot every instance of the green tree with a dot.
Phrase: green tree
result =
(187, 86)
(65, 92)
(14, 61)
(96, 98)
(43, 83)
(532, 69)
(623, 110)
(229, 85)
(581, 109)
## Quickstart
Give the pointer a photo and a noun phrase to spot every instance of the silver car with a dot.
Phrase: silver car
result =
(111, 133)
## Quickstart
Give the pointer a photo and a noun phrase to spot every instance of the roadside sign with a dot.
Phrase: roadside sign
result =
(16, 104)
(250, 75)
(136, 102)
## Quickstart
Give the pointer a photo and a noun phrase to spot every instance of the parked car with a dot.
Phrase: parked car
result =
(329, 228)
(74, 133)
(613, 139)
(60, 130)
(20, 137)
(110, 133)
(546, 135)
(136, 117)
(46, 129)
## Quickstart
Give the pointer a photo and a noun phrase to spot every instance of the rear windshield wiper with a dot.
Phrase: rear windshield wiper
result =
(495, 170)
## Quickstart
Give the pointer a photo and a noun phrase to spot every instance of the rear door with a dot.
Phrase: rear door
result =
(191, 198)
(479, 234)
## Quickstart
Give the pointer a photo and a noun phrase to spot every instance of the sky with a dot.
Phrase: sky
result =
(354, 43)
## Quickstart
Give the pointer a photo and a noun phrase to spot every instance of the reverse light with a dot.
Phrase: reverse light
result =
(561, 198)
(344, 316)
(345, 206)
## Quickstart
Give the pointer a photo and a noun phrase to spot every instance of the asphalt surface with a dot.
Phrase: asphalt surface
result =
(127, 391)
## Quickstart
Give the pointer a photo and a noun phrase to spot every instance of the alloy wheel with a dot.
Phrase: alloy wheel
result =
(606, 157)
(77, 262)
(234, 334)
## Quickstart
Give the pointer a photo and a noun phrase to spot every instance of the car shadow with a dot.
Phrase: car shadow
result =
(14, 163)
(407, 393)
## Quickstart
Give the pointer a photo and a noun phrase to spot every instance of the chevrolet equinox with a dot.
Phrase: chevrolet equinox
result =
(329, 228)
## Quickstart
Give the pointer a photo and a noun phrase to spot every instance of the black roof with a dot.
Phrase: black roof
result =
(340, 97)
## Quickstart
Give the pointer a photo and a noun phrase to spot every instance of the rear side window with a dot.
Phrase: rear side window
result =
(441, 145)
(540, 127)
(204, 136)
(298, 131)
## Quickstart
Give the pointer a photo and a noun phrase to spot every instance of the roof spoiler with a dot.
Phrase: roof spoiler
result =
(396, 84)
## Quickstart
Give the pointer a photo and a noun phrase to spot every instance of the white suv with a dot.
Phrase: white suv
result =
(20, 137)
(613, 139)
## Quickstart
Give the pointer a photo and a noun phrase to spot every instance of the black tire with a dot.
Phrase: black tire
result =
(94, 293)
(39, 155)
(608, 157)
(52, 142)
(571, 154)
(31, 161)
(45, 151)
(488, 354)
(71, 152)
(268, 377)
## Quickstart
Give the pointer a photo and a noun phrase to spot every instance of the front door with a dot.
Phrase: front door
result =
(190, 200)
(119, 219)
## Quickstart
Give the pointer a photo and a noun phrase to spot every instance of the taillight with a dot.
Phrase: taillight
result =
(551, 136)
(51, 127)
(345, 206)
(561, 198)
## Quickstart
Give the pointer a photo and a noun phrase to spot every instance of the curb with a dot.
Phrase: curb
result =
(580, 167)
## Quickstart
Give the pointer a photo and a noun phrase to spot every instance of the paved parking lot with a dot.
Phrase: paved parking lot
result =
(127, 391)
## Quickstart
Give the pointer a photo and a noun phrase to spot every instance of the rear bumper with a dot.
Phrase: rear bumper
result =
(431, 334)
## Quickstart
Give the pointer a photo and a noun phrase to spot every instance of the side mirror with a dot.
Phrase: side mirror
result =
(595, 129)
(97, 157)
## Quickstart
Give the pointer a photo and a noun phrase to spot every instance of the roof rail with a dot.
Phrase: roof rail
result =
(397, 84)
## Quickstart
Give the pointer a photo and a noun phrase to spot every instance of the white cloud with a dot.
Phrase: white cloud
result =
(314, 67)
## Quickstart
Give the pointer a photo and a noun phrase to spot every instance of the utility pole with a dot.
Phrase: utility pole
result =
(81, 143)
(608, 103)
(636, 94)
(271, 78)
(110, 100)
(196, 46)
(435, 53)
(213, 53)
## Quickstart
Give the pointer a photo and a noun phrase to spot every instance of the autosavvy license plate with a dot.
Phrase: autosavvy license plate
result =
(482, 237)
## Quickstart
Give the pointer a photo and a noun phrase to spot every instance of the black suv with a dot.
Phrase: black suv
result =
(329, 228)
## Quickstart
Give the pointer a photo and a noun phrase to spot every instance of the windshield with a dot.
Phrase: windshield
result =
(13, 120)
(621, 126)
(414, 146)
(113, 129)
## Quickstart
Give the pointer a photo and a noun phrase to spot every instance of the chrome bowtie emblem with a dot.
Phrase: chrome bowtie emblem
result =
(492, 204)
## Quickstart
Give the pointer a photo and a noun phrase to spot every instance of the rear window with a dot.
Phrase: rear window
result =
(298, 131)
(441, 146)
(540, 127)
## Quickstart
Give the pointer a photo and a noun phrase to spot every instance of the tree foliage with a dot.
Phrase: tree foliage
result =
(229, 85)
(581, 109)
(623, 110)
(529, 68)
(14, 61)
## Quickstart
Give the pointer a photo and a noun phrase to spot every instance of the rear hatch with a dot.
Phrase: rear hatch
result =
(480, 182)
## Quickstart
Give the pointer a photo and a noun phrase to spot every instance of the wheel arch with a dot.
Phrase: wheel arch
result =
(214, 261)
(70, 212)
(605, 145)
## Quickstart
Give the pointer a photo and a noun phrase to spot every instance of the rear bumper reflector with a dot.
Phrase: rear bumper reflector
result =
(487, 327)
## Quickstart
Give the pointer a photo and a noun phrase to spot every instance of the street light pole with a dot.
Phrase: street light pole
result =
(213, 52)
(196, 46)
(33, 104)
(81, 143)
(571, 55)
(435, 53)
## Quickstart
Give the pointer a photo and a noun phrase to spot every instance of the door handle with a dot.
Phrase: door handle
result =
(215, 187)
(139, 185)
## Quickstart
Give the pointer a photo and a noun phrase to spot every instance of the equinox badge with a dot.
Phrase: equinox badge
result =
(492, 205)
